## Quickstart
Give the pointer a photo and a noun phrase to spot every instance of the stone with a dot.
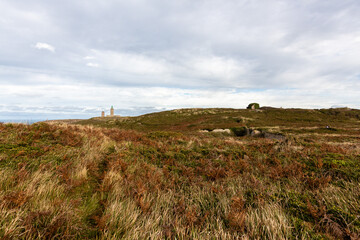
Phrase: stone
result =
(221, 130)
(204, 131)
(256, 133)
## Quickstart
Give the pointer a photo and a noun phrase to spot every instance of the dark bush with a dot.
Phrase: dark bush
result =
(240, 131)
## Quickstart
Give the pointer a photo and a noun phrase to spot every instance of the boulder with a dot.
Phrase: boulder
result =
(204, 131)
(256, 133)
(221, 130)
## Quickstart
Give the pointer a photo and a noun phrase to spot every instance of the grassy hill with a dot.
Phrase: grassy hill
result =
(157, 176)
(185, 120)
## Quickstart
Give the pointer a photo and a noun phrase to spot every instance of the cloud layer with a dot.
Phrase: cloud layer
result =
(146, 55)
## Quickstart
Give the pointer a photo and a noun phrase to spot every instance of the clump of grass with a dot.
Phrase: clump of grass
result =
(269, 222)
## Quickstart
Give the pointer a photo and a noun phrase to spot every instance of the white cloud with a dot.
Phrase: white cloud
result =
(45, 46)
(95, 65)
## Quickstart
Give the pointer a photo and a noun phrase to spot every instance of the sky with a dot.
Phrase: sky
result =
(73, 59)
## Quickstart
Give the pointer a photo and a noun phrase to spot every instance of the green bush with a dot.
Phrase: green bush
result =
(256, 106)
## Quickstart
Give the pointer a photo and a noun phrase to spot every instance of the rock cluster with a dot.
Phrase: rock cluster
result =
(244, 131)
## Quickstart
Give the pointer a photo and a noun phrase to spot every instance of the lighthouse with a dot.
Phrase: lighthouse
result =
(112, 111)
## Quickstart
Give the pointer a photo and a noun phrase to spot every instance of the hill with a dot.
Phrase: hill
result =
(187, 120)
(157, 176)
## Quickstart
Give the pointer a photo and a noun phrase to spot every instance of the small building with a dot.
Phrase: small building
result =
(102, 113)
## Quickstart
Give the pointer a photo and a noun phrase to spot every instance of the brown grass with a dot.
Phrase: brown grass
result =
(66, 181)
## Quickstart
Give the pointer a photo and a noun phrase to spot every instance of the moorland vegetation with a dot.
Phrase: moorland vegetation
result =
(158, 176)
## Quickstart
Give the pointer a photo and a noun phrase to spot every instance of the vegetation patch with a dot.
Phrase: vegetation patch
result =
(157, 177)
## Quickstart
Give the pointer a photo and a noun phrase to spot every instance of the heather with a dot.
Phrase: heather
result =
(133, 178)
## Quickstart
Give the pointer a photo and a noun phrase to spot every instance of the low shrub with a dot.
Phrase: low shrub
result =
(240, 131)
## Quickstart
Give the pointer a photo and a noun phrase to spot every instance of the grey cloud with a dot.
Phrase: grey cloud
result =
(202, 45)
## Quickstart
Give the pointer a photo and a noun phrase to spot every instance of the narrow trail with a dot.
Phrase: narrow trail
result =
(97, 219)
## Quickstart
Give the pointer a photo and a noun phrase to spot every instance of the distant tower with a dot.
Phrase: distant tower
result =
(112, 111)
(102, 114)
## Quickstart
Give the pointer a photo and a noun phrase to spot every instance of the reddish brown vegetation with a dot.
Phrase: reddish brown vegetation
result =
(209, 180)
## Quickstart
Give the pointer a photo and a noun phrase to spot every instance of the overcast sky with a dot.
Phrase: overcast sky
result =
(72, 59)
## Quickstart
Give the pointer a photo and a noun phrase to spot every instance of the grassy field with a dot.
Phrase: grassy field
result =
(158, 176)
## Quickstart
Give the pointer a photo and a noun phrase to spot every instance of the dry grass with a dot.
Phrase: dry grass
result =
(82, 182)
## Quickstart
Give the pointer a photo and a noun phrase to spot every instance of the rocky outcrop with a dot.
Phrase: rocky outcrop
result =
(245, 131)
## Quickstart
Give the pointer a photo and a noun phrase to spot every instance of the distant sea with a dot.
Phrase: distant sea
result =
(24, 121)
